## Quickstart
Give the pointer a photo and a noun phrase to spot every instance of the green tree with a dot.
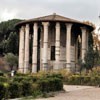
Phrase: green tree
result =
(8, 37)
(11, 60)
(92, 56)
(12, 43)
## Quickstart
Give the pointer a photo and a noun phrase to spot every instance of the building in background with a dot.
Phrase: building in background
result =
(51, 42)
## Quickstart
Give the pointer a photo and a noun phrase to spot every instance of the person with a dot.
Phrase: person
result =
(12, 73)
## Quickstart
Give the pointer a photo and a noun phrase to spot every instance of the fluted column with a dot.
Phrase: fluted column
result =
(68, 46)
(21, 50)
(57, 47)
(83, 29)
(45, 46)
(26, 60)
(34, 55)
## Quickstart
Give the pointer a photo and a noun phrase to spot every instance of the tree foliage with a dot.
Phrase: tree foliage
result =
(11, 60)
(92, 55)
(8, 37)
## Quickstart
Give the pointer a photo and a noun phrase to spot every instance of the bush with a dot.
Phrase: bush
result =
(27, 88)
(18, 78)
(30, 85)
(83, 80)
(50, 84)
(58, 84)
(54, 75)
(21, 74)
(3, 91)
(43, 85)
(1, 73)
(35, 78)
(15, 89)
(22, 78)
(37, 93)
(3, 79)
(95, 72)
(74, 80)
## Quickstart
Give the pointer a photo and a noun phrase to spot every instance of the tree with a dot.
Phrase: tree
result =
(92, 56)
(11, 60)
(8, 37)
(12, 43)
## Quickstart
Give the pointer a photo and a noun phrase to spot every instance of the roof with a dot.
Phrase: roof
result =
(52, 18)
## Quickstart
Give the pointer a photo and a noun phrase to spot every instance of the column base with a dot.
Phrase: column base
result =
(68, 67)
(26, 70)
(34, 68)
(20, 70)
(26, 66)
(57, 65)
(45, 67)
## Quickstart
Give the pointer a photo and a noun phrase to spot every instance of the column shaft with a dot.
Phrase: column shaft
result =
(45, 46)
(57, 47)
(21, 50)
(57, 51)
(68, 46)
(26, 60)
(34, 55)
(83, 42)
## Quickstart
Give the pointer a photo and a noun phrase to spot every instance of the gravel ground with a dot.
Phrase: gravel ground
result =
(77, 93)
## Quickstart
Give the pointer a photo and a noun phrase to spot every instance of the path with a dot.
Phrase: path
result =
(77, 93)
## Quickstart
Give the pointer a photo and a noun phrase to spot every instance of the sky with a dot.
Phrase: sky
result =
(82, 10)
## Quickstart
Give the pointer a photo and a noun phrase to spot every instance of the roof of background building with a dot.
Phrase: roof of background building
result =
(53, 18)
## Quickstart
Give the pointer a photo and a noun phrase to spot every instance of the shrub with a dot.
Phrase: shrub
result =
(87, 80)
(30, 85)
(58, 84)
(3, 79)
(95, 72)
(4, 91)
(43, 85)
(27, 88)
(36, 93)
(21, 74)
(50, 84)
(82, 80)
(15, 89)
(22, 78)
(54, 75)
(1, 73)
(73, 80)
(34, 78)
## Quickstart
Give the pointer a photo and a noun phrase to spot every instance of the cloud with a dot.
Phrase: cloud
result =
(26, 9)
(6, 14)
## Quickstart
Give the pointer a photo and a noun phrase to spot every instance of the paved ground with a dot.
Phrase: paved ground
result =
(77, 93)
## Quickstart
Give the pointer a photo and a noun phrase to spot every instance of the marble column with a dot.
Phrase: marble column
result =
(34, 55)
(87, 37)
(26, 58)
(83, 29)
(45, 46)
(68, 46)
(21, 50)
(57, 47)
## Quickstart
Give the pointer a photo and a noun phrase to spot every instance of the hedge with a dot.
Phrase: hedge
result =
(31, 85)
(3, 79)
(27, 88)
(4, 93)
(15, 90)
(82, 80)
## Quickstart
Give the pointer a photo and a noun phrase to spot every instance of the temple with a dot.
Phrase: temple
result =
(51, 42)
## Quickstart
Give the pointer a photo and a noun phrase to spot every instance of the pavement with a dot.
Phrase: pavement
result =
(75, 92)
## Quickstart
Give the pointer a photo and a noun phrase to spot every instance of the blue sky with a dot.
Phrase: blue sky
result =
(82, 10)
